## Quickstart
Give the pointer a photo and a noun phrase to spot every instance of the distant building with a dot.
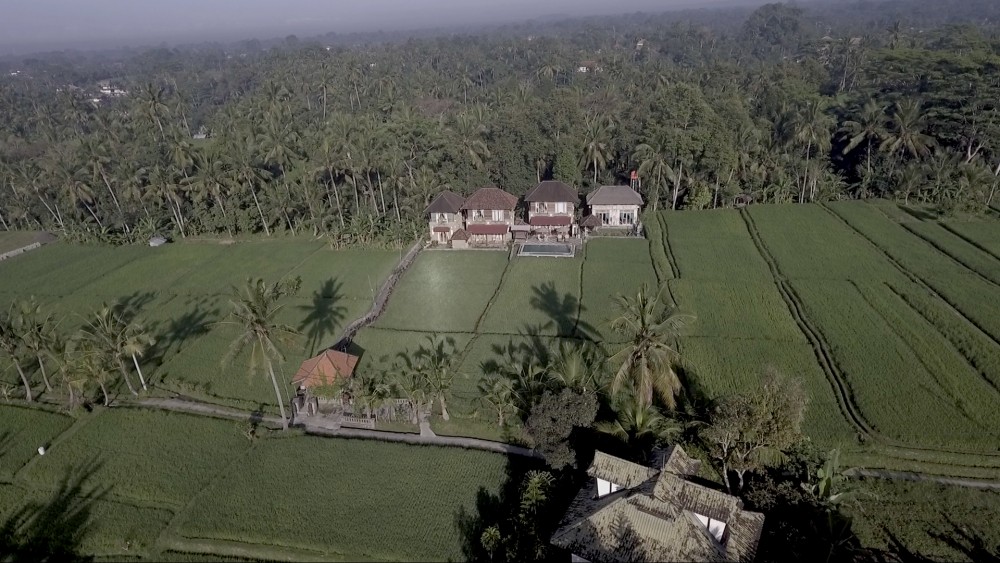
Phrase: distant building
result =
(615, 206)
(552, 207)
(589, 66)
(445, 216)
(489, 215)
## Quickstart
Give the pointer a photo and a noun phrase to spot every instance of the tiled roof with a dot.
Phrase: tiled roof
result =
(325, 369)
(491, 199)
(552, 191)
(619, 471)
(460, 234)
(446, 202)
(550, 220)
(614, 195)
(654, 518)
(487, 229)
(591, 221)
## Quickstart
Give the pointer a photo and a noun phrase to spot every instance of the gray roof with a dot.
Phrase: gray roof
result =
(446, 202)
(552, 191)
(614, 195)
(655, 519)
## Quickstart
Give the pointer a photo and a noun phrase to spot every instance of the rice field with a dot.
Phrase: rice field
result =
(330, 496)
(137, 484)
(888, 319)
(182, 291)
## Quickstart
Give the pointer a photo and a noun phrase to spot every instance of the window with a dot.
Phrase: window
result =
(561, 207)
(498, 215)
(715, 527)
(606, 487)
(541, 207)
(626, 218)
(605, 218)
(443, 217)
(478, 215)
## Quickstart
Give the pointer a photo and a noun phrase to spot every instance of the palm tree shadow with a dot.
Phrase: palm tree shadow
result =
(54, 530)
(324, 315)
(201, 313)
(968, 542)
(130, 306)
(563, 311)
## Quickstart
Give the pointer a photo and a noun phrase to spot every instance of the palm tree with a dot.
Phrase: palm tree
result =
(70, 373)
(136, 341)
(105, 330)
(597, 150)
(437, 369)
(413, 387)
(90, 363)
(906, 136)
(255, 308)
(646, 362)
(868, 129)
(573, 368)
(37, 333)
(654, 159)
(497, 393)
(811, 127)
(11, 346)
(638, 425)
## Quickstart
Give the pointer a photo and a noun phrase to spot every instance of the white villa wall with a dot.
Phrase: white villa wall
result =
(614, 213)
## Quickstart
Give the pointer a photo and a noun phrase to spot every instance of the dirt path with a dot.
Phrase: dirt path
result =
(193, 407)
(920, 477)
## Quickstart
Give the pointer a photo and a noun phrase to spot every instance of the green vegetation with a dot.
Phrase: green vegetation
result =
(133, 472)
(24, 431)
(330, 496)
(444, 292)
(180, 293)
(868, 313)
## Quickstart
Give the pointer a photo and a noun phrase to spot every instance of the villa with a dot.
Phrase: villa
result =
(614, 206)
(630, 512)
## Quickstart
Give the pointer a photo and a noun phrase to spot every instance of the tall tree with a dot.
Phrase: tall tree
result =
(255, 308)
(645, 364)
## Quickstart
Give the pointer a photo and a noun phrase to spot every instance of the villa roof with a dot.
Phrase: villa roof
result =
(460, 234)
(446, 202)
(325, 369)
(500, 229)
(591, 221)
(614, 195)
(552, 191)
(656, 516)
(491, 199)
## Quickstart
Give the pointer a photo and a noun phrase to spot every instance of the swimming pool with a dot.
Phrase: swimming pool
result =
(555, 250)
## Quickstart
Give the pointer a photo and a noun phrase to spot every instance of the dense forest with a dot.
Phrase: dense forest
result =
(351, 138)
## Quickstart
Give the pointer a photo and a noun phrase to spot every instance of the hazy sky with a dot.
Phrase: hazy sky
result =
(53, 23)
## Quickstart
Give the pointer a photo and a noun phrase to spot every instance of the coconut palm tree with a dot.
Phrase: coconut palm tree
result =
(867, 129)
(37, 333)
(573, 367)
(412, 386)
(654, 157)
(645, 365)
(638, 425)
(90, 363)
(436, 367)
(906, 136)
(136, 341)
(105, 330)
(497, 393)
(811, 127)
(255, 308)
(11, 346)
(597, 149)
